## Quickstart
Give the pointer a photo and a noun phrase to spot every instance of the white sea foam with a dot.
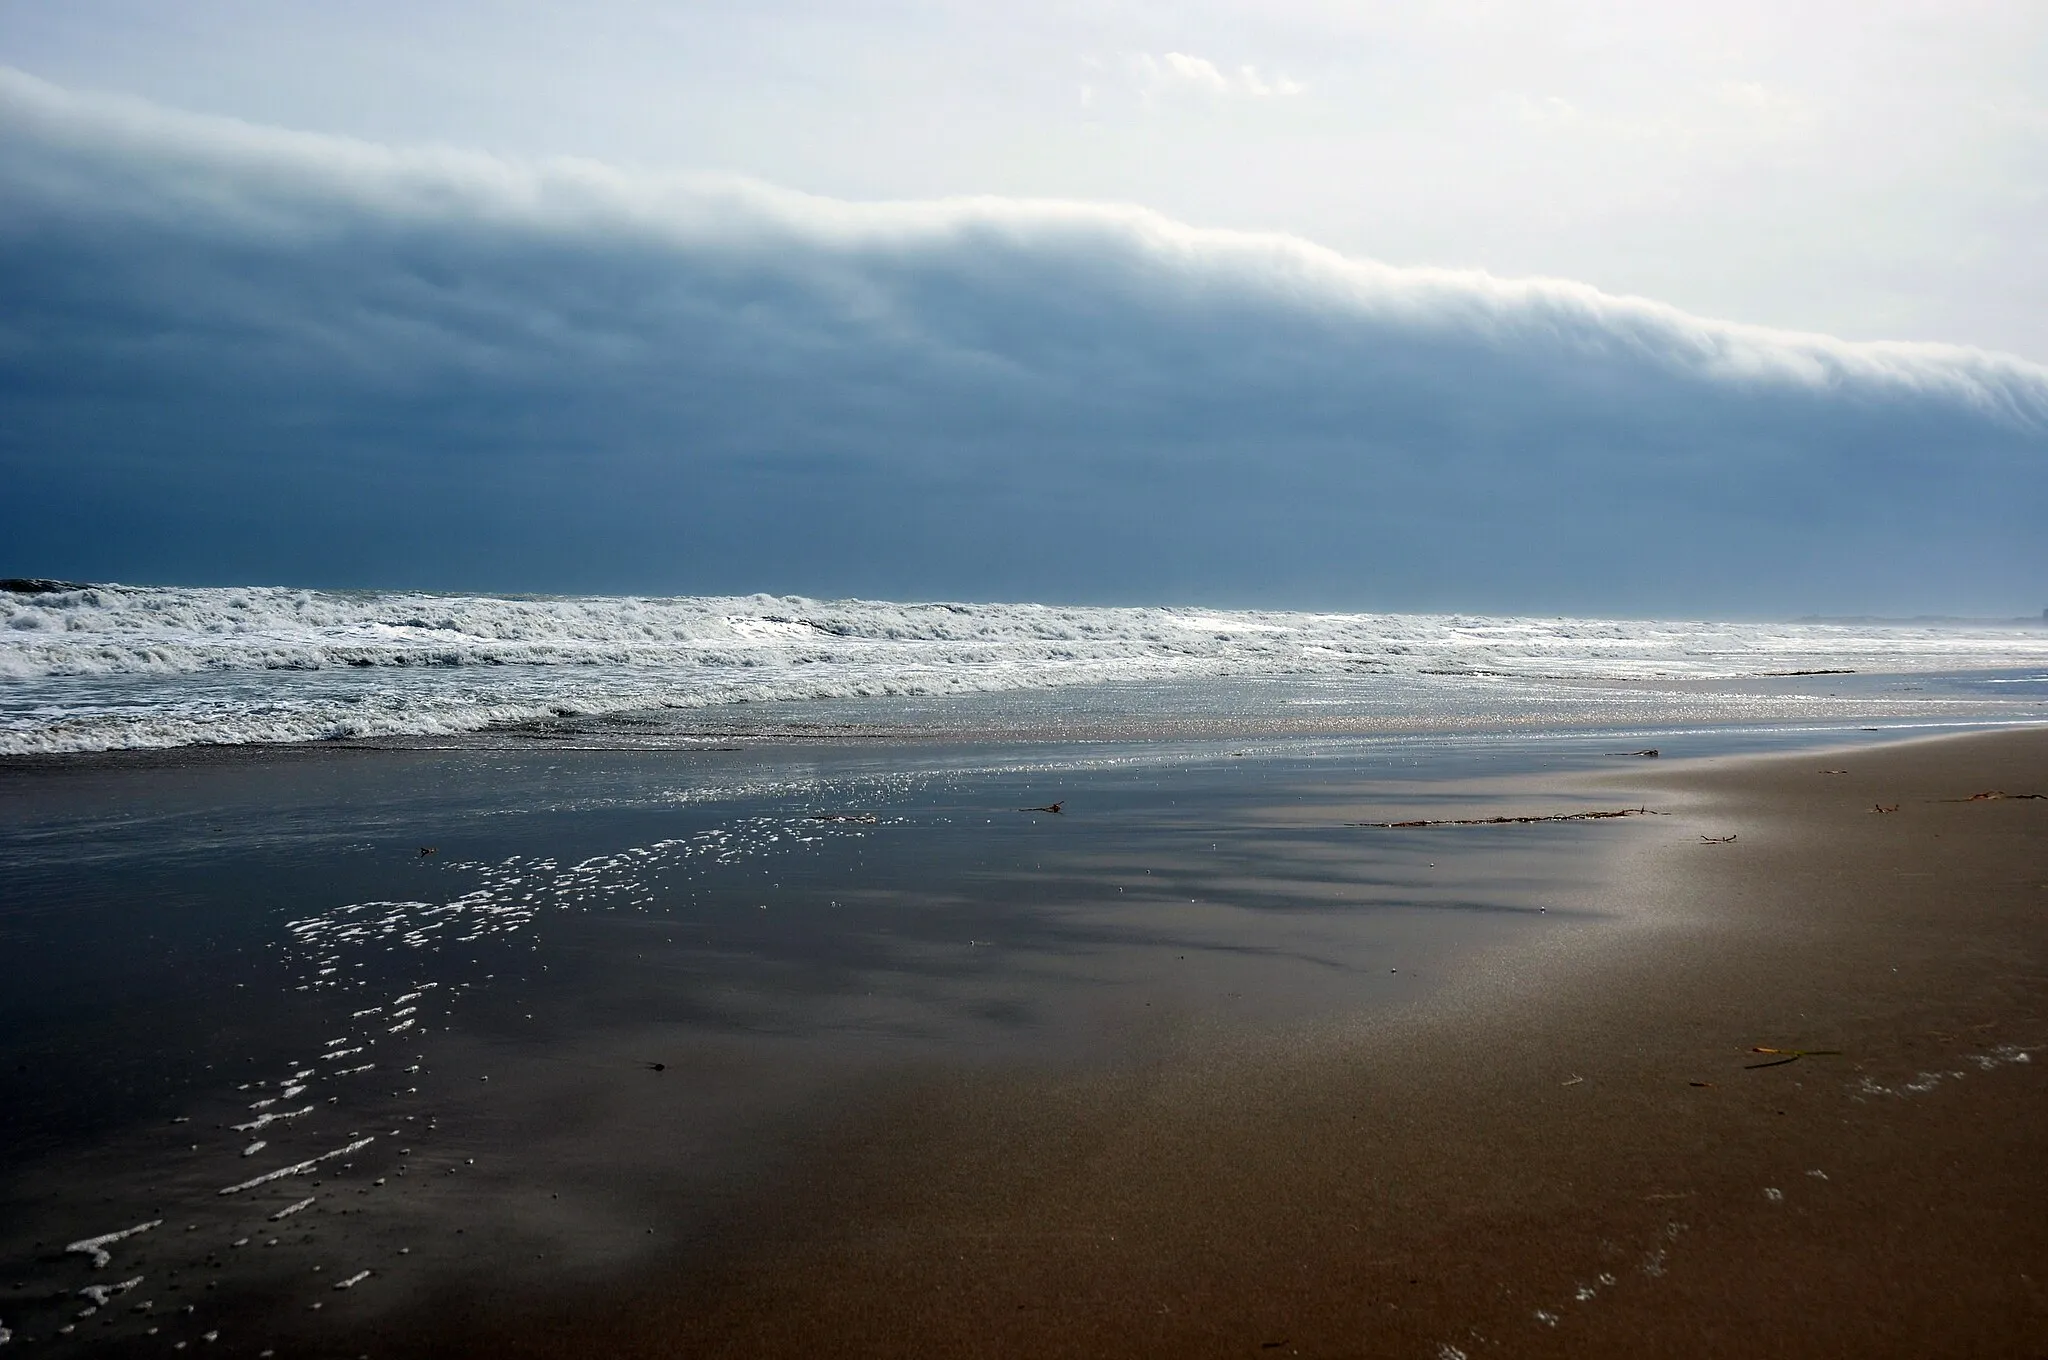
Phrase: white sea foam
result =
(100, 1293)
(110, 667)
(297, 1168)
(96, 1247)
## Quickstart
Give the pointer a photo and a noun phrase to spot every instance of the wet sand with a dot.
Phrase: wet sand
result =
(597, 1025)
(1577, 1150)
(1199, 1067)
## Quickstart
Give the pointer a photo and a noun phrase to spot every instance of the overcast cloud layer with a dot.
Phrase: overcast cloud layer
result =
(230, 353)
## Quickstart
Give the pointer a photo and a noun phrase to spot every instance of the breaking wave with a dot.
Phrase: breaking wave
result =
(104, 667)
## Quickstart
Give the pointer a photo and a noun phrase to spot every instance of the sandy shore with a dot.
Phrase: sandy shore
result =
(1580, 1153)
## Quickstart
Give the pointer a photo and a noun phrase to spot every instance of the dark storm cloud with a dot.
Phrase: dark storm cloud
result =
(232, 353)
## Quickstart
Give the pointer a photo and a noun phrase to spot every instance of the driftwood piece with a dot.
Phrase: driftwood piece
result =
(1778, 1057)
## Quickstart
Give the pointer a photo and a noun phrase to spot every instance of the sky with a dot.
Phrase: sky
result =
(1727, 309)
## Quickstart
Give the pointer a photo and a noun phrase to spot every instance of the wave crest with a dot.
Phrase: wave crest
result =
(109, 666)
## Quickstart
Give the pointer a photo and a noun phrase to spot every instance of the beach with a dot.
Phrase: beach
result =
(1517, 1088)
(1597, 1152)
(1580, 1157)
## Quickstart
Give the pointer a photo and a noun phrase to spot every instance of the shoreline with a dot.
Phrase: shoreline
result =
(798, 738)
(1560, 1157)
(60, 720)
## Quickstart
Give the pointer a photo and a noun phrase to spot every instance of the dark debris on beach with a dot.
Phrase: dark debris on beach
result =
(1514, 821)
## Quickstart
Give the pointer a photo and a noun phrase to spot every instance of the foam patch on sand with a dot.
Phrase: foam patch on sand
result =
(96, 1247)
(1921, 1083)
(304, 1168)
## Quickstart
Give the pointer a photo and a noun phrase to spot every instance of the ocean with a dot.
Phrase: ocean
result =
(112, 667)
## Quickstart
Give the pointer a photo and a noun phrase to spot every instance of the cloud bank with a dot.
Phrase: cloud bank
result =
(233, 353)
